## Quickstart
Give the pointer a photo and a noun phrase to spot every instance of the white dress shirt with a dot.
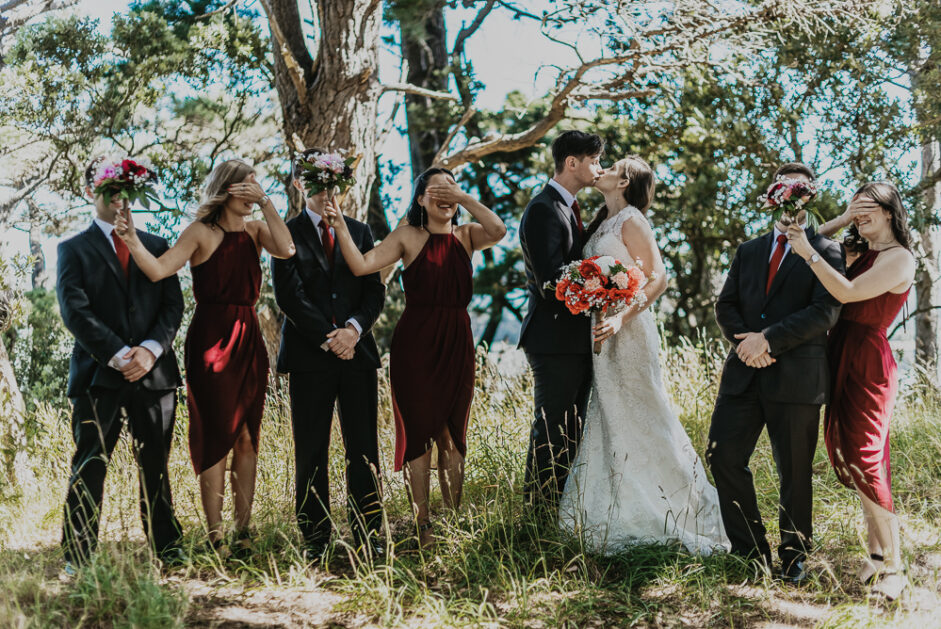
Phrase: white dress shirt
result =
(117, 361)
(774, 240)
(317, 219)
(567, 196)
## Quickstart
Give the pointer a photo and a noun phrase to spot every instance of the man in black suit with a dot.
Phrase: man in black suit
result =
(122, 366)
(557, 343)
(776, 314)
(330, 353)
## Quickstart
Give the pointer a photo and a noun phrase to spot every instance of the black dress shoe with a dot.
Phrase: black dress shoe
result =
(794, 573)
(315, 551)
(173, 556)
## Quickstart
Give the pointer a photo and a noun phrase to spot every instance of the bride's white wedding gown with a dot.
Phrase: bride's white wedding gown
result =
(636, 477)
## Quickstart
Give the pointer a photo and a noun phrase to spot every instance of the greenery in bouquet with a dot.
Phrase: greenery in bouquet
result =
(125, 178)
(787, 196)
(328, 171)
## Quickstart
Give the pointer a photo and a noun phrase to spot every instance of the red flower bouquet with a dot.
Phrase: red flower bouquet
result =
(598, 284)
(786, 197)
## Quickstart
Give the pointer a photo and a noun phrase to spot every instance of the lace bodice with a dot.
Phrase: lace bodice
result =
(607, 239)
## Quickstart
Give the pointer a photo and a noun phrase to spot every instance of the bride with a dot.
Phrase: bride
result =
(636, 478)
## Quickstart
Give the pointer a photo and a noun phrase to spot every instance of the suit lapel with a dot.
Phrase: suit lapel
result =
(99, 243)
(565, 215)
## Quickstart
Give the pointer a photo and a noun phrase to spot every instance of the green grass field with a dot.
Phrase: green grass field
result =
(493, 565)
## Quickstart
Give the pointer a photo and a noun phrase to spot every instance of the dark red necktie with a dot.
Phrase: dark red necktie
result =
(124, 254)
(775, 261)
(326, 238)
(578, 216)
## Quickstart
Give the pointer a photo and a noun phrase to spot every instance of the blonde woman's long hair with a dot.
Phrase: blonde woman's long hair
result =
(215, 193)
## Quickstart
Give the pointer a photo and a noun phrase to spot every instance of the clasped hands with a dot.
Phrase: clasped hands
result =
(140, 361)
(342, 342)
(753, 350)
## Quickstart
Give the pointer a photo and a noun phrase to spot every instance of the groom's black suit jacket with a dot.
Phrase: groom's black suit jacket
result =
(104, 311)
(312, 297)
(550, 239)
(794, 316)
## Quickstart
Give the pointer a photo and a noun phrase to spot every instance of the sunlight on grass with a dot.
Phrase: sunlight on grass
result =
(494, 563)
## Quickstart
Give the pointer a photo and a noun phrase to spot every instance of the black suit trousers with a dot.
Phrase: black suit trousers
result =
(313, 395)
(97, 420)
(737, 421)
(561, 386)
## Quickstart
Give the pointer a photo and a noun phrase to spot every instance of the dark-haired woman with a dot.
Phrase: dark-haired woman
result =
(226, 359)
(863, 371)
(431, 361)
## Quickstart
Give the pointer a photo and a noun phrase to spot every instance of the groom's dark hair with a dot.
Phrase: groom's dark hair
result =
(794, 168)
(575, 144)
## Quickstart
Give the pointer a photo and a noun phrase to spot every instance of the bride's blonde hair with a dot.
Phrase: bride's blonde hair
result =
(215, 194)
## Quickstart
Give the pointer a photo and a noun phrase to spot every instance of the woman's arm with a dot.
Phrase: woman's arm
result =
(858, 205)
(171, 261)
(487, 231)
(389, 251)
(892, 269)
(272, 233)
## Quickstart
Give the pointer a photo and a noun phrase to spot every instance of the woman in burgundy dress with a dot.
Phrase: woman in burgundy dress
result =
(863, 371)
(432, 355)
(226, 360)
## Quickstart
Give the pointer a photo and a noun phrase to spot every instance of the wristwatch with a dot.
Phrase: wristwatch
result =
(263, 201)
(813, 258)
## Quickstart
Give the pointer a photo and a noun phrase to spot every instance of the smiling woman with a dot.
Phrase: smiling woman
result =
(431, 361)
(225, 352)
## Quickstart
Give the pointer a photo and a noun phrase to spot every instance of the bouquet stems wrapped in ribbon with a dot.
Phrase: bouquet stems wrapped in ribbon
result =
(595, 285)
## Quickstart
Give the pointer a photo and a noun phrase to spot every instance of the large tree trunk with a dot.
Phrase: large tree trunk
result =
(926, 321)
(330, 100)
(424, 48)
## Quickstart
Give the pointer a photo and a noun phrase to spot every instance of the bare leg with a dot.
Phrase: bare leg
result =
(211, 489)
(450, 470)
(872, 564)
(244, 463)
(418, 481)
(886, 528)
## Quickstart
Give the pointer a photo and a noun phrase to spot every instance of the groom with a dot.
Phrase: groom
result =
(332, 358)
(557, 343)
(776, 314)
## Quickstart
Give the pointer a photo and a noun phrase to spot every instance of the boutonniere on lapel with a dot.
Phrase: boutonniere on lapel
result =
(787, 197)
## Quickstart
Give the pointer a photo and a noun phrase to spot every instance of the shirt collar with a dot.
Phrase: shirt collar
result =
(316, 218)
(567, 196)
(105, 227)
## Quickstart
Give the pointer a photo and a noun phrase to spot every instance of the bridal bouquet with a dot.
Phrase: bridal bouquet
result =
(598, 284)
(125, 178)
(786, 197)
(328, 171)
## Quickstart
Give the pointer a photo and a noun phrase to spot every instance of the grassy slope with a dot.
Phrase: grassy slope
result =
(494, 565)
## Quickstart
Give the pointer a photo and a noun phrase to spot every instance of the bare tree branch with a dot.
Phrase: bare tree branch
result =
(465, 33)
(453, 132)
(294, 68)
(408, 88)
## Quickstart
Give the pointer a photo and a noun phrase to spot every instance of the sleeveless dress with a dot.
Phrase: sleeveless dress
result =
(431, 358)
(856, 422)
(226, 360)
(636, 478)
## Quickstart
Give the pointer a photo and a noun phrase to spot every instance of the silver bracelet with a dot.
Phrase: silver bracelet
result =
(264, 201)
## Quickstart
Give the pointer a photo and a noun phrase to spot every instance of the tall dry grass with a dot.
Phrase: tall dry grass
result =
(494, 564)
